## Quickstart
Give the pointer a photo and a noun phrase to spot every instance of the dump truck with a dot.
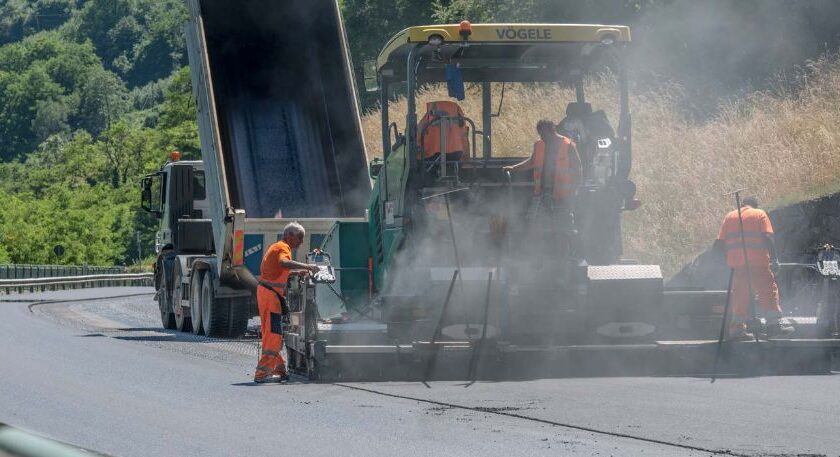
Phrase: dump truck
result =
(281, 140)
(454, 275)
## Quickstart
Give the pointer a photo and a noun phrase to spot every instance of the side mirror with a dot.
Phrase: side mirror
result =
(376, 167)
(150, 194)
(146, 199)
(370, 76)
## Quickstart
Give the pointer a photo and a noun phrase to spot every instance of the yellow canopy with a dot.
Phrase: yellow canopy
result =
(512, 34)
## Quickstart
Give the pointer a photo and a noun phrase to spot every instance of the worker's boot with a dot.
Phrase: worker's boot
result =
(268, 379)
(282, 373)
(775, 327)
(738, 332)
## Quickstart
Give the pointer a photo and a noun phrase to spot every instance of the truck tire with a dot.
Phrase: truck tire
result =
(195, 301)
(167, 317)
(214, 312)
(182, 318)
(240, 312)
(222, 317)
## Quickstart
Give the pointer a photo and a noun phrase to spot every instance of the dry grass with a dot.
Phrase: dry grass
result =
(780, 147)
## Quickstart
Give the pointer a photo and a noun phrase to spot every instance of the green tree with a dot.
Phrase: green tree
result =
(369, 25)
(163, 48)
(125, 149)
(19, 96)
(50, 119)
(13, 16)
(103, 100)
(21, 18)
(51, 86)
(177, 124)
(77, 163)
(93, 225)
(96, 21)
(142, 40)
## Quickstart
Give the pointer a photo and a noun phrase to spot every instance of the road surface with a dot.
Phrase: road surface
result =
(100, 373)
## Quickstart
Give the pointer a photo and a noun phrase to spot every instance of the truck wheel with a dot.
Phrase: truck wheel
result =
(167, 317)
(240, 312)
(182, 318)
(214, 313)
(195, 301)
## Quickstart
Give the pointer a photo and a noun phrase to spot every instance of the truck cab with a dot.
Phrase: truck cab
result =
(155, 198)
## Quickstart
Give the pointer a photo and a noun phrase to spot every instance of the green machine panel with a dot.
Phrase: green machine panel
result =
(348, 245)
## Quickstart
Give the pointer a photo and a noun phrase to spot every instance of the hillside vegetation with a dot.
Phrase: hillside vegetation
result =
(780, 145)
(92, 96)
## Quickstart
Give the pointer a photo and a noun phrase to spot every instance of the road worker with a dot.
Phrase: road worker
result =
(755, 275)
(274, 273)
(557, 174)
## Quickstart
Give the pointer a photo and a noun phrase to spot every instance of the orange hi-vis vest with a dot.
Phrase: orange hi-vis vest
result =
(756, 226)
(270, 269)
(456, 132)
(564, 175)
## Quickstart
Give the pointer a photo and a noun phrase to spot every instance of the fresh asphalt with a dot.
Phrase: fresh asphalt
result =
(101, 374)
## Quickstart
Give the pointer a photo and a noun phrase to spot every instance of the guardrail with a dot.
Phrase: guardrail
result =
(20, 286)
(24, 271)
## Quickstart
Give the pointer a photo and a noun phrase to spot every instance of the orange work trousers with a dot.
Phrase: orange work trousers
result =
(271, 360)
(764, 287)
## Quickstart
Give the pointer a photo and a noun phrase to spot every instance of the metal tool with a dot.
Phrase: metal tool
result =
(723, 324)
(476, 353)
(438, 329)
